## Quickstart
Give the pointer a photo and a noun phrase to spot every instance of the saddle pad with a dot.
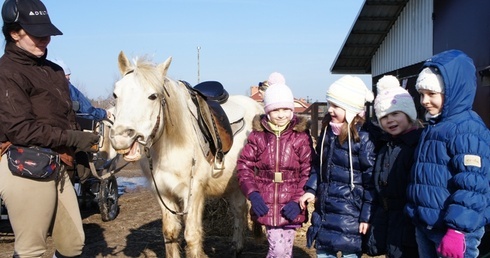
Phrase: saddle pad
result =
(233, 111)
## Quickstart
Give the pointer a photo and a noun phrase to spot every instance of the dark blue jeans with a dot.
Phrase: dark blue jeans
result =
(429, 239)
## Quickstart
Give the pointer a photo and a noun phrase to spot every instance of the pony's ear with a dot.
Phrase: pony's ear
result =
(163, 67)
(124, 65)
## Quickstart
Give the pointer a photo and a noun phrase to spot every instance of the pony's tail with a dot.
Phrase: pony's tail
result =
(257, 231)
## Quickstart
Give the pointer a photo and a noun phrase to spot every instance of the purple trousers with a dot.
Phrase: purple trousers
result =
(281, 242)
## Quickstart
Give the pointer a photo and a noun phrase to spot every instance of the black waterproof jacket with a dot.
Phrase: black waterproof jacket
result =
(391, 230)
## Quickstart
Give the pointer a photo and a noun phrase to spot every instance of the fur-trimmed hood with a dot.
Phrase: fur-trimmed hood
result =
(299, 123)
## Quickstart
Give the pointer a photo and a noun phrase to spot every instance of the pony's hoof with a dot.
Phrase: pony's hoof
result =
(236, 252)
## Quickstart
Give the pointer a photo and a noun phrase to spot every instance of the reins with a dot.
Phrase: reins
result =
(150, 160)
(150, 164)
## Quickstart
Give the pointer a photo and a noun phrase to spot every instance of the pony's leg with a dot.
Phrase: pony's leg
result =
(193, 232)
(239, 208)
(171, 228)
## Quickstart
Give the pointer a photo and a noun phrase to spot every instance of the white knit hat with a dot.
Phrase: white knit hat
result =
(63, 65)
(278, 96)
(392, 97)
(350, 93)
(430, 79)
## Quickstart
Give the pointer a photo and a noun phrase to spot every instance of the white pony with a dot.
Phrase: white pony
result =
(156, 122)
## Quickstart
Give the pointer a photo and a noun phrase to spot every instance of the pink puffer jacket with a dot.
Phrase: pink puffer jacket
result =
(266, 153)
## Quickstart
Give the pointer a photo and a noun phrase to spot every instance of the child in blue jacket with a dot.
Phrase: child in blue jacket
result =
(449, 193)
(341, 175)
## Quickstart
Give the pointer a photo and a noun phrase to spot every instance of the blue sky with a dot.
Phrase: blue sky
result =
(241, 41)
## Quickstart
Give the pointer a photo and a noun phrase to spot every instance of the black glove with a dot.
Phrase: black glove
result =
(258, 205)
(291, 210)
(83, 141)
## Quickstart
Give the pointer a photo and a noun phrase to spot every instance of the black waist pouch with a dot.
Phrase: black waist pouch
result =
(32, 162)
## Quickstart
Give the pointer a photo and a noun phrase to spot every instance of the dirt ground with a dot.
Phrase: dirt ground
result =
(136, 232)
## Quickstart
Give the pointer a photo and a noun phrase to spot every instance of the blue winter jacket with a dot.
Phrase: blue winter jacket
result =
(339, 209)
(449, 182)
(85, 107)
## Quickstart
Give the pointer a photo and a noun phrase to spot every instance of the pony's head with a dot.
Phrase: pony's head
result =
(139, 102)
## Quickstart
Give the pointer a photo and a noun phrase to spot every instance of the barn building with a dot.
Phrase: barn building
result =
(396, 36)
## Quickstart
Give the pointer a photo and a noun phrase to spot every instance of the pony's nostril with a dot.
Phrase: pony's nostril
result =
(111, 133)
(130, 133)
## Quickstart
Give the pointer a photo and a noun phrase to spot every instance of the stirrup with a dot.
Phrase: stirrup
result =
(218, 164)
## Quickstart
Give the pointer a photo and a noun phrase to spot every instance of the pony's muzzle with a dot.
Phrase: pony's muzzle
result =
(123, 137)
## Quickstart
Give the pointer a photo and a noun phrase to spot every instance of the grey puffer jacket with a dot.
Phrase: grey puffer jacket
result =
(290, 152)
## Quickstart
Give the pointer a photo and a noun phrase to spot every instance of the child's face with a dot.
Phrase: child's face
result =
(395, 123)
(431, 101)
(280, 116)
(337, 113)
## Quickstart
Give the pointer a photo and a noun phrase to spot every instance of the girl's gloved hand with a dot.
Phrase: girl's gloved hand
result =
(258, 205)
(452, 244)
(291, 210)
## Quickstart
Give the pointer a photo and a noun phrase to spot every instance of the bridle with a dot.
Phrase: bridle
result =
(147, 145)
(163, 103)
(154, 131)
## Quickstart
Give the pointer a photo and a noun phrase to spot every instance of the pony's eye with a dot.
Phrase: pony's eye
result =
(152, 96)
(114, 95)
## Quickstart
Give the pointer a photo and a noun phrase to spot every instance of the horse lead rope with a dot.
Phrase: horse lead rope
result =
(150, 160)
(150, 163)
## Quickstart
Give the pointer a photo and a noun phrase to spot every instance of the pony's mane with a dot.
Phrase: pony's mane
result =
(145, 70)
(148, 75)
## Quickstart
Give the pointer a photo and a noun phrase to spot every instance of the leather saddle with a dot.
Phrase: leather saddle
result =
(213, 121)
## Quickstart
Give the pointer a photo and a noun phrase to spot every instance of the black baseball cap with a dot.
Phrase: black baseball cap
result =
(32, 16)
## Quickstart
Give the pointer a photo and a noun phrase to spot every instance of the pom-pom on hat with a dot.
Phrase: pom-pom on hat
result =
(274, 78)
(278, 96)
(350, 93)
(392, 97)
(430, 79)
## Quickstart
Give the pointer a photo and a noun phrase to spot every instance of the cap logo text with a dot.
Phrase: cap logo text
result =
(36, 13)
